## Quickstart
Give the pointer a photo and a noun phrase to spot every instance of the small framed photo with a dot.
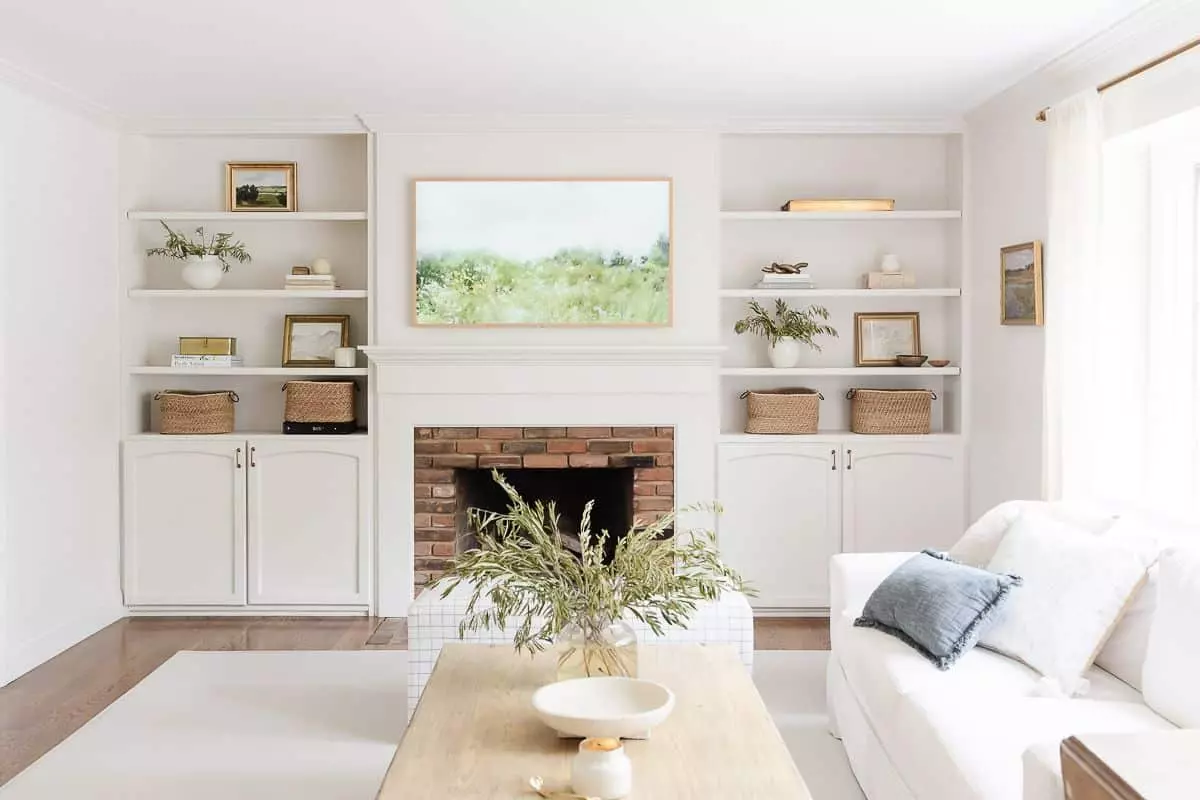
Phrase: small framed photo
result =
(309, 340)
(260, 186)
(880, 337)
(1021, 284)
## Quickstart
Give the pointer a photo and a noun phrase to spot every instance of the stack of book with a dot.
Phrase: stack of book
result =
(205, 362)
(310, 282)
(792, 280)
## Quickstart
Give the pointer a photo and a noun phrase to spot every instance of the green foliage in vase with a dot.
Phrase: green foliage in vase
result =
(180, 247)
(787, 323)
(573, 286)
(526, 573)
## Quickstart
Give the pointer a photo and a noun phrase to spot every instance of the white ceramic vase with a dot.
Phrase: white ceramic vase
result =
(203, 272)
(784, 353)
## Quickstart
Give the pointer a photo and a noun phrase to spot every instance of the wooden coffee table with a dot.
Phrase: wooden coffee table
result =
(475, 734)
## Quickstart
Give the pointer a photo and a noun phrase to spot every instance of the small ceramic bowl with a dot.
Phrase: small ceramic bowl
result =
(940, 362)
(615, 707)
(911, 360)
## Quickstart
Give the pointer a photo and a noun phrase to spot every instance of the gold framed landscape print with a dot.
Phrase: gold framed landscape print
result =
(542, 251)
(260, 186)
(309, 340)
(880, 337)
(1021, 284)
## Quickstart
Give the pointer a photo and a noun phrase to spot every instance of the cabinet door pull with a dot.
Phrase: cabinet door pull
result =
(849, 459)
(237, 458)
(833, 463)
(252, 457)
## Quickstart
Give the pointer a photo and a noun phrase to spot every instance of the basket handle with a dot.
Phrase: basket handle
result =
(744, 395)
(850, 394)
(234, 395)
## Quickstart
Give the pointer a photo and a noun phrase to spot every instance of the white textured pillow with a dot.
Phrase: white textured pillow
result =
(978, 544)
(1076, 587)
(1173, 655)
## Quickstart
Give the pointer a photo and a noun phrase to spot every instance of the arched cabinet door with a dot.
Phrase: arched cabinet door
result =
(902, 496)
(184, 531)
(781, 523)
(308, 505)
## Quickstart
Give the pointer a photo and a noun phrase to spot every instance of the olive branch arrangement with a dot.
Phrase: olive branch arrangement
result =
(526, 573)
(787, 323)
(180, 247)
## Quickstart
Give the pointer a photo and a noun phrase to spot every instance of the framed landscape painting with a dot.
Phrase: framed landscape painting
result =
(1021, 284)
(542, 252)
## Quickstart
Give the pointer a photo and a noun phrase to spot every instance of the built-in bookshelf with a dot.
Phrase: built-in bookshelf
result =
(179, 180)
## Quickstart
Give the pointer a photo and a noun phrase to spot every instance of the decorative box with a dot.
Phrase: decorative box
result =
(207, 346)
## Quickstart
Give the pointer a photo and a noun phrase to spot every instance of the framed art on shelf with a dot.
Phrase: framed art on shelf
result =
(260, 186)
(880, 337)
(312, 340)
(1021, 284)
(542, 251)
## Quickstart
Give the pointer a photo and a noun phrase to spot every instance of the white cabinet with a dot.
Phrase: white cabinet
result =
(184, 532)
(257, 522)
(791, 505)
(308, 505)
(781, 521)
(901, 496)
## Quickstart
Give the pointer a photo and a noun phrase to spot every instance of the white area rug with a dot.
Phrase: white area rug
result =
(324, 725)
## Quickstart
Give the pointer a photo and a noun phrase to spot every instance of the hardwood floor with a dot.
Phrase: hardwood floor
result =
(45, 706)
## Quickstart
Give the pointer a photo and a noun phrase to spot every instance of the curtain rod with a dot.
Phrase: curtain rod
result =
(1133, 73)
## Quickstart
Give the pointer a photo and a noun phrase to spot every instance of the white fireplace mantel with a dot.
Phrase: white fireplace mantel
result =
(529, 385)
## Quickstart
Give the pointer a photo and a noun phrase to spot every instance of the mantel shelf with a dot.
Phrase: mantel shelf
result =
(251, 216)
(855, 293)
(286, 372)
(730, 437)
(910, 372)
(251, 294)
(817, 216)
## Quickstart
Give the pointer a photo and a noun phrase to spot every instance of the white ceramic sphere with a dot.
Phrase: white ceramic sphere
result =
(321, 266)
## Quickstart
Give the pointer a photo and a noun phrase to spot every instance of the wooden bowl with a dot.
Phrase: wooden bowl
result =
(940, 362)
(911, 360)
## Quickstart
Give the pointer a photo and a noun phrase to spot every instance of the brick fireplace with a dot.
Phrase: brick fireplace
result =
(544, 463)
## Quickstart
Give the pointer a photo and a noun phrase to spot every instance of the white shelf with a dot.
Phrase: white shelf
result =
(251, 216)
(836, 371)
(857, 293)
(253, 294)
(286, 372)
(817, 216)
(240, 435)
(835, 436)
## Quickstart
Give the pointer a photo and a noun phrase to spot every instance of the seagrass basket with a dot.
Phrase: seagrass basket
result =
(794, 410)
(182, 412)
(890, 410)
(318, 401)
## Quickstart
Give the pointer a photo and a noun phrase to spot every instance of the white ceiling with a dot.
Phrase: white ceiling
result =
(758, 58)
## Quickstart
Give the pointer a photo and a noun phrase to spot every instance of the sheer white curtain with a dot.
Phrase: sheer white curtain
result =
(1071, 283)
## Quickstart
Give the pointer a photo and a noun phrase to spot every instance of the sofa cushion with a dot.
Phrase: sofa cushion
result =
(936, 605)
(979, 543)
(1173, 654)
(1077, 586)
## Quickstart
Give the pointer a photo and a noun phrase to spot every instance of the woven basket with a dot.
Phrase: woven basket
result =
(183, 412)
(782, 410)
(319, 401)
(890, 410)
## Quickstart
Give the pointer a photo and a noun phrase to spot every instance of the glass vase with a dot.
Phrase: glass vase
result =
(597, 649)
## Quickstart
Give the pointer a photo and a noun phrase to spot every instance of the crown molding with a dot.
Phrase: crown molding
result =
(56, 95)
(446, 124)
(243, 126)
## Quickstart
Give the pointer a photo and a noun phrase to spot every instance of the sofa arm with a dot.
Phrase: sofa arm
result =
(853, 576)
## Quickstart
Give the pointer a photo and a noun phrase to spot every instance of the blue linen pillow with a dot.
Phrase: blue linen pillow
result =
(936, 605)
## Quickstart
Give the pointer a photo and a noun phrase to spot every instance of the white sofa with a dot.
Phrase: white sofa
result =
(977, 731)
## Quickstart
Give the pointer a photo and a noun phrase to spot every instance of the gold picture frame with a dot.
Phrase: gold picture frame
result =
(310, 339)
(255, 186)
(1021, 284)
(427, 319)
(880, 336)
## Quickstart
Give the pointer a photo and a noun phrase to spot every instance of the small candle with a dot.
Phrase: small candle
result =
(601, 769)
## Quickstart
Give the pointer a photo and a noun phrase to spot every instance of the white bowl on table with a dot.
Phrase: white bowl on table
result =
(591, 707)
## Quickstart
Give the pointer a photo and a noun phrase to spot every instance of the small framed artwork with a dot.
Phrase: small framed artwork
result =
(260, 186)
(309, 340)
(1021, 284)
(880, 337)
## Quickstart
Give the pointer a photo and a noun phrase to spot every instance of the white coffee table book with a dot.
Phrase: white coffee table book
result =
(476, 736)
